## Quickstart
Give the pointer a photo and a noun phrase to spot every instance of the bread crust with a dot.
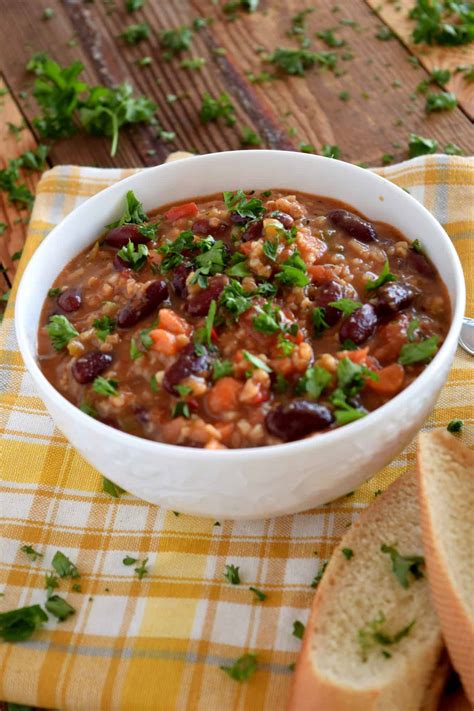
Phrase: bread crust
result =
(312, 692)
(456, 622)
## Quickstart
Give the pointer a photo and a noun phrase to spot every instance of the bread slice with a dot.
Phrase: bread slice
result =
(446, 490)
(334, 672)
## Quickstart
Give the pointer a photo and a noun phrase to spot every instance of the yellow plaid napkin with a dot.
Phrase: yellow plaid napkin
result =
(157, 643)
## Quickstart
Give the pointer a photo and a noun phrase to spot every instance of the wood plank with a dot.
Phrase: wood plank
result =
(13, 238)
(396, 16)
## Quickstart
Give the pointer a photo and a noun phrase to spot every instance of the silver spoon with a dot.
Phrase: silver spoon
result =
(466, 339)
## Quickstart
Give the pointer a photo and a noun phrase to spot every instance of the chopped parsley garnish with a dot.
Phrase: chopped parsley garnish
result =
(296, 61)
(306, 147)
(176, 40)
(136, 257)
(281, 384)
(318, 577)
(318, 318)
(384, 277)
(270, 250)
(417, 246)
(242, 205)
(221, 369)
(298, 629)
(102, 386)
(58, 607)
(61, 331)
(51, 582)
(455, 426)
(259, 594)
(243, 668)
(209, 262)
(385, 33)
(257, 362)
(249, 137)
(330, 39)
(235, 299)
(181, 409)
(419, 351)
(348, 345)
(348, 553)
(451, 149)
(347, 306)
(133, 5)
(444, 23)
(18, 625)
(329, 151)
(193, 63)
(108, 487)
(313, 382)
(135, 352)
(293, 272)
(132, 213)
(172, 251)
(298, 21)
(128, 560)
(133, 34)
(204, 334)
(231, 574)
(76, 588)
(420, 146)
(64, 567)
(3, 227)
(267, 319)
(387, 158)
(285, 346)
(141, 570)
(154, 384)
(444, 101)
(104, 326)
(213, 109)
(30, 552)
(48, 13)
(238, 266)
(183, 390)
(371, 635)
(404, 565)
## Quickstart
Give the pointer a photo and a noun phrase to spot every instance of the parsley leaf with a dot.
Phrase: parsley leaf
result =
(61, 331)
(419, 146)
(212, 109)
(104, 326)
(267, 319)
(235, 299)
(211, 261)
(298, 629)
(259, 594)
(134, 352)
(58, 607)
(128, 560)
(242, 205)
(371, 634)
(173, 250)
(108, 487)
(64, 567)
(133, 5)
(203, 335)
(180, 409)
(318, 318)
(384, 277)
(132, 213)
(231, 574)
(31, 553)
(455, 426)
(444, 23)
(51, 582)
(293, 272)
(402, 565)
(102, 386)
(243, 668)
(314, 381)
(296, 61)
(347, 306)
(444, 101)
(330, 39)
(348, 553)
(249, 137)
(317, 578)
(141, 570)
(176, 40)
(257, 362)
(136, 257)
(330, 151)
(18, 625)
(419, 351)
(133, 34)
(411, 329)
(221, 368)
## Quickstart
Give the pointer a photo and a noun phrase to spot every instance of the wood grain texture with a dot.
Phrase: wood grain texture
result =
(396, 16)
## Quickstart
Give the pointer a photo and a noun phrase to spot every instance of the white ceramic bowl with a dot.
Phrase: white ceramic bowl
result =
(246, 483)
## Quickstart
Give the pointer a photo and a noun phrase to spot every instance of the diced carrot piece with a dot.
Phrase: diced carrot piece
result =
(223, 396)
(390, 380)
(390, 340)
(164, 341)
(358, 356)
(320, 274)
(173, 323)
(189, 209)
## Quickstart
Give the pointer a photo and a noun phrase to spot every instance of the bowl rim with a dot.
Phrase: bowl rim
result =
(241, 454)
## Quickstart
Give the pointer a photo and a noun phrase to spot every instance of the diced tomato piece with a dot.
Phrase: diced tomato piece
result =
(358, 356)
(189, 209)
(214, 335)
(390, 380)
(321, 274)
(223, 396)
(173, 323)
(164, 341)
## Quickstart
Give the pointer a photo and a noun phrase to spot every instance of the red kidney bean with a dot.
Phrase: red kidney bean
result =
(420, 263)
(142, 414)
(198, 304)
(237, 219)
(120, 265)
(296, 419)
(332, 291)
(204, 227)
(69, 300)
(188, 363)
(179, 278)
(87, 367)
(360, 325)
(353, 225)
(120, 236)
(136, 309)
(393, 297)
(253, 231)
(283, 217)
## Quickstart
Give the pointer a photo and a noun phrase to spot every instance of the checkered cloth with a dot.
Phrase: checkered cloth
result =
(157, 643)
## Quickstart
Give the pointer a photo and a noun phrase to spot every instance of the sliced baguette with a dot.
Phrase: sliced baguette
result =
(331, 674)
(446, 491)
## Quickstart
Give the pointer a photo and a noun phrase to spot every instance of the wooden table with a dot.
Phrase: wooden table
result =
(368, 106)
